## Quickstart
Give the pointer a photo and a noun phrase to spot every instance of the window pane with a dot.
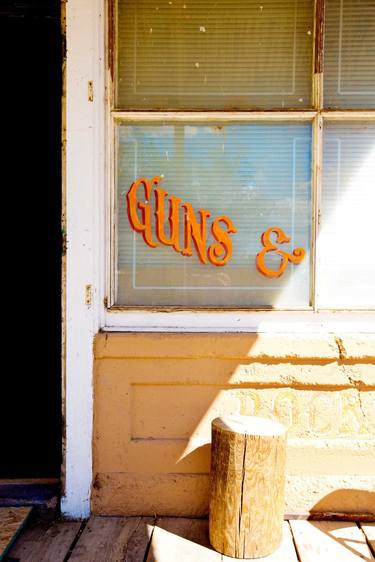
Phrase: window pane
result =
(346, 238)
(349, 62)
(214, 55)
(256, 175)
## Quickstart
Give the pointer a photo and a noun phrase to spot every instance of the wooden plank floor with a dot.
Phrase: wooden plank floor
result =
(170, 539)
(12, 519)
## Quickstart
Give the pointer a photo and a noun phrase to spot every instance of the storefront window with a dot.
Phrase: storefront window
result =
(347, 259)
(349, 77)
(256, 175)
(214, 55)
(240, 178)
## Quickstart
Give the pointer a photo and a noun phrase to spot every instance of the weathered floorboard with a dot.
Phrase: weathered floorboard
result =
(12, 520)
(195, 530)
(30, 543)
(127, 539)
(45, 542)
(57, 540)
(182, 539)
(137, 543)
(369, 530)
(327, 541)
(113, 539)
(285, 553)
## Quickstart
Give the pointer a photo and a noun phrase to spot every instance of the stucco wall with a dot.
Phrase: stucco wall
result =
(156, 394)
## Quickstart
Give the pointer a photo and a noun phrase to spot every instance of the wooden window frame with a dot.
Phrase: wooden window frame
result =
(148, 318)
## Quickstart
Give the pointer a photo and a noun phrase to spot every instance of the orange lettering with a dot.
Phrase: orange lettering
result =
(196, 232)
(174, 205)
(281, 238)
(143, 227)
(218, 254)
(221, 252)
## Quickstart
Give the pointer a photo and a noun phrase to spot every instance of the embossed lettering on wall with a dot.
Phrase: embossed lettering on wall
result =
(306, 413)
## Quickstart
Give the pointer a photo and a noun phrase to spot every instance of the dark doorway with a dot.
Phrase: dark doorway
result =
(31, 191)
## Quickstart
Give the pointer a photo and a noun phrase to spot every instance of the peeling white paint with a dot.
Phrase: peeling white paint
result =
(84, 161)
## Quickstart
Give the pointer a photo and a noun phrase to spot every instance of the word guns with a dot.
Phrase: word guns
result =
(143, 215)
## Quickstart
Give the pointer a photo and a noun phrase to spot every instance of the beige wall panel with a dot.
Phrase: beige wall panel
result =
(255, 346)
(153, 415)
(151, 494)
(201, 370)
(334, 456)
(350, 493)
(358, 347)
(187, 495)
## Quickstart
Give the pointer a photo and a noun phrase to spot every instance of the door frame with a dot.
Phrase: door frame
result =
(83, 197)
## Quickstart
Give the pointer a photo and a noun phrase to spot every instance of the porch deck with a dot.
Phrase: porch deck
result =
(166, 539)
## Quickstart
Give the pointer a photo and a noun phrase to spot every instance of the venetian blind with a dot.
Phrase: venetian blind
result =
(222, 54)
(346, 256)
(258, 175)
(349, 61)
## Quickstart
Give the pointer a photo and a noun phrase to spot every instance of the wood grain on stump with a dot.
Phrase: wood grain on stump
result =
(247, 486)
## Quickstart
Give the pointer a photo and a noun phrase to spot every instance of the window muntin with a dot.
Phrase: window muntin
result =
(215, 55)
(349, 58)
(258, 175)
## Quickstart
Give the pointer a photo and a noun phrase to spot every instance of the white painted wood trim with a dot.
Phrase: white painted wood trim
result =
(211, 116)
(352, 115)
(241, 321)
(84, 191)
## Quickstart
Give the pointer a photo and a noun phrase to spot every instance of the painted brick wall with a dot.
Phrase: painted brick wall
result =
(156, 394)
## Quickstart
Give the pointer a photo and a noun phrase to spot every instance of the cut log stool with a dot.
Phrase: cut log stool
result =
(247, 485)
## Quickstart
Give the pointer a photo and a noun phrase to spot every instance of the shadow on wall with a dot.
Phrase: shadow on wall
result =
(342, 501)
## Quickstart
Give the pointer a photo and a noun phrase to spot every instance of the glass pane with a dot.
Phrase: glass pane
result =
(346, 238)
(349, 61)
(252, 176)
(214, 54)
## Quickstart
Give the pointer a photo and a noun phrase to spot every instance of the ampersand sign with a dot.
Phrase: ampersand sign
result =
(269, 246)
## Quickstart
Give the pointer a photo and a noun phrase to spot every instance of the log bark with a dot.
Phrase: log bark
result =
(247, 486)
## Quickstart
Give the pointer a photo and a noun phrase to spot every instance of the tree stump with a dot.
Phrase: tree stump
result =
(247, 485)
